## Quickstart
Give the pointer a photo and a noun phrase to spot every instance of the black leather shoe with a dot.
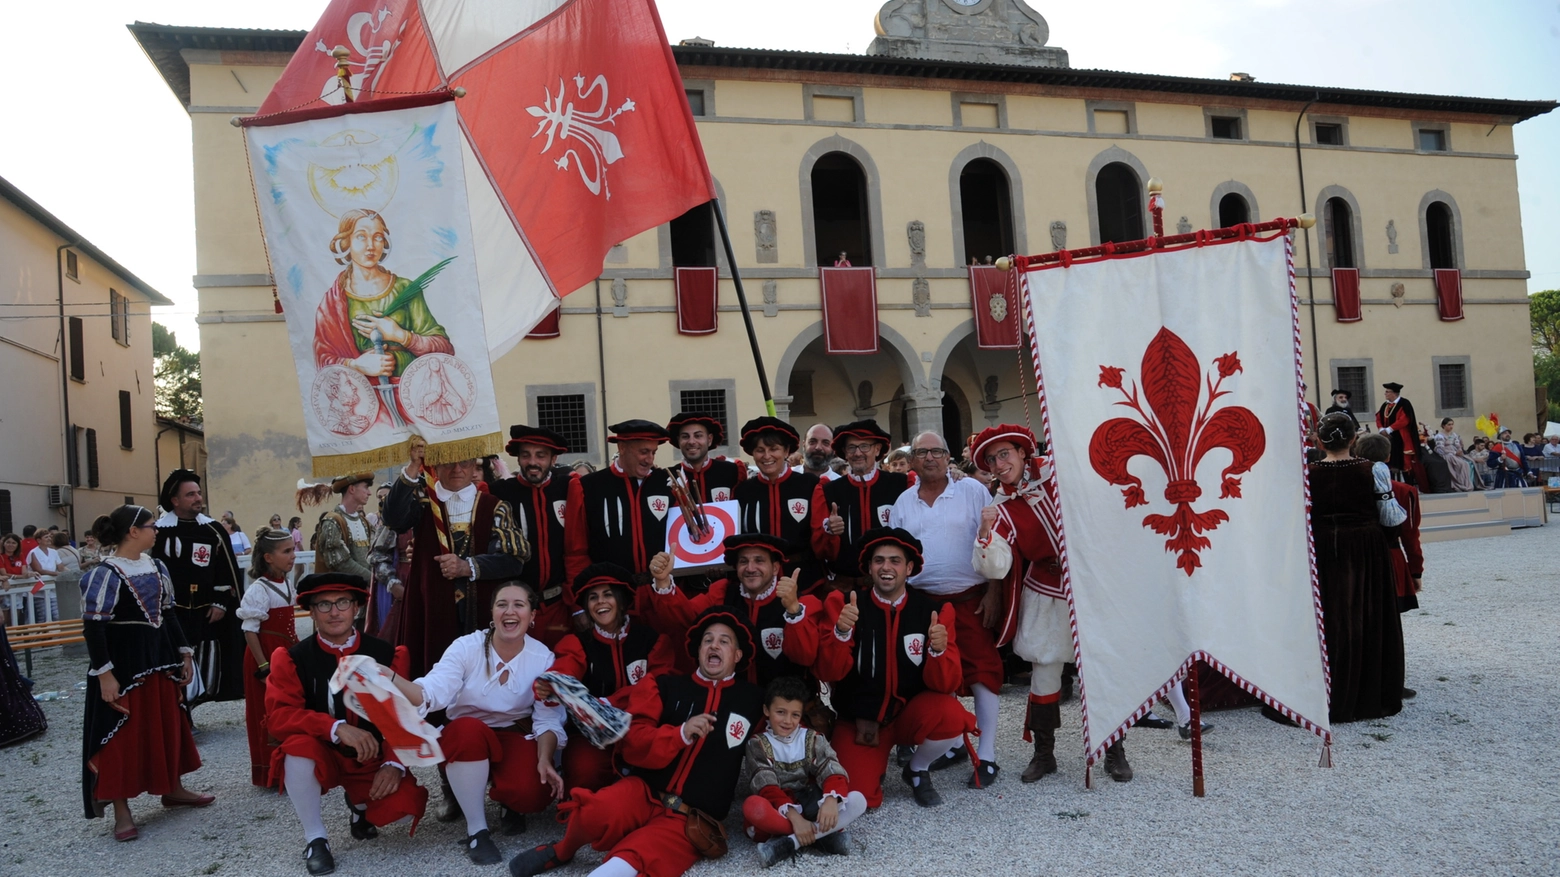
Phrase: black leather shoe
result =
(985, 775)
(776, 849)
(362, 829)
(510, 823)
(317, 857)
(903, 754)
(950, 758)
(924, 794)
(1186, 730)
(481, 850)
(1153, 721)
(836, 844)
(450, 810)
(1409, 693)
(534, 861)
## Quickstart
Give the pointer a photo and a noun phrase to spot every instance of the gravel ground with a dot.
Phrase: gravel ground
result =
(1462, 781)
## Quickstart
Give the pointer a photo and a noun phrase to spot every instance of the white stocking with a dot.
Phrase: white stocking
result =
(1183, 713)
(304, 792)
(986, 702)
(468, 780)
(854, 805)
(929, 751)
(614, 867)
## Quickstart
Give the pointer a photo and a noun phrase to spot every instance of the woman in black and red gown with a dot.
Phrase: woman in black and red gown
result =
(1354, 573)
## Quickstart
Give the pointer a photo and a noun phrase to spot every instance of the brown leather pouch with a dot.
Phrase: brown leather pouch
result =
(867, 732)
(706, 834)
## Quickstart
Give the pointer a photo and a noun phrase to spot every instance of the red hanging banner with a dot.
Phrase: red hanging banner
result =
(548, 327)
(698, 301)
(1346, 294)
(1448, 293)
(996, 308)
(849, 309)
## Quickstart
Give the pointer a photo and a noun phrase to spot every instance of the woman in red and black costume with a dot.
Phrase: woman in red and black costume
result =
(712, 478)
(618, 514)
(762, 593)
(685, 748)
(538, 494)
(847, 507)
(779, 501)
(616, 652)
(323, 743)
(138, 737)
(895, 667)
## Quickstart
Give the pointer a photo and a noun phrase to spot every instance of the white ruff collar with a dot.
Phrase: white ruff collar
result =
(169, 519)
(467, 494)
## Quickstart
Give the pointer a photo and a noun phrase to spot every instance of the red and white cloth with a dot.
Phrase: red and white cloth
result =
(1171, 393)
(371, 694)
(849, 310)
(994, 297)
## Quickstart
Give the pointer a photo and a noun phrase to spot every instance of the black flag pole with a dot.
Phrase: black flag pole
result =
(747, 316)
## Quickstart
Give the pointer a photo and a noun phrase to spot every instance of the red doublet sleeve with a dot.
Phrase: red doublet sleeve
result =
(943, 672)
(285, 713)
(834, 658)
(673, 613)
(569, 657)
(576, 534)
(649, 743)
(778, 797)
(824, 544)
(801, 637)
(836, 785)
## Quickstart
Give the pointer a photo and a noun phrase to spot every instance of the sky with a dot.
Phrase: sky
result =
(94, 134)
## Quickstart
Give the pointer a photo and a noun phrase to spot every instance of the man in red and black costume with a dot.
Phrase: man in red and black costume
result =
(206, 583)
(323, 744)
(454, 569)
(685, 749)
(845, 508)
(618, 515)
(538, 493)
(1395, 420)
(894, 664)
(711, 479)
(779, 500)
(761, 593)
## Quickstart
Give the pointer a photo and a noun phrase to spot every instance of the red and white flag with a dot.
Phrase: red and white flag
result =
(1171, 398)
(576, 130)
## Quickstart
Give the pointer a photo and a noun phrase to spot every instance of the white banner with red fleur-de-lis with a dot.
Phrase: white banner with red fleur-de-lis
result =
(1170, 393)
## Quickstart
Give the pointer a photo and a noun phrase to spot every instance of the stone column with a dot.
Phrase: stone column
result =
(923, 410)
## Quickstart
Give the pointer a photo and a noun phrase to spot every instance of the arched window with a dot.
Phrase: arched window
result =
(840, 223)
(693, 239)
(986, 204)
(1233, 210)
(1119, 199)
(1339, 234)
(1438, 228)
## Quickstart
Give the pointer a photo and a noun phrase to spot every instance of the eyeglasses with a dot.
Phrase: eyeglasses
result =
(934, 453)
(342, 604)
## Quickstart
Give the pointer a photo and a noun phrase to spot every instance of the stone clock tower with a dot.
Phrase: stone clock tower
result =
(985, 31)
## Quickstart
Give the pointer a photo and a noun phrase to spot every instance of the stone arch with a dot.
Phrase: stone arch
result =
(818, 150)
(1232, 187)
(1431, 197)
(903, 352)
(1110, 156)
(1015, 193)
(1356, 224)
(945, 350)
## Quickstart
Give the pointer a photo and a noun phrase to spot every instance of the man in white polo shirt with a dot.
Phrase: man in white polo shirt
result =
(945, 515)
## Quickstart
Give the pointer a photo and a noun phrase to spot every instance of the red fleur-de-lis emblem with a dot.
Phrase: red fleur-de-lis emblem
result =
(737, 728)
(913, 647)
(774, 641)
(797, 508)
(658, 504)
(1171, 430)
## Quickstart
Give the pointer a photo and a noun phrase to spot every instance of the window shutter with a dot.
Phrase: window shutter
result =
(92, 458)
(78, 356)
(126, 435)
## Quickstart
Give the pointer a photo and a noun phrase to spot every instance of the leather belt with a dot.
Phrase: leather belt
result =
(676, 804)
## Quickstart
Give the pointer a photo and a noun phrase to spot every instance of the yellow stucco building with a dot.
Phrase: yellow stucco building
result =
(961, 134)
(78, 429)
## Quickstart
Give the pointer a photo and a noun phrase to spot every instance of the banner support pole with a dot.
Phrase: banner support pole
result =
(1193, 700)
(747, 315)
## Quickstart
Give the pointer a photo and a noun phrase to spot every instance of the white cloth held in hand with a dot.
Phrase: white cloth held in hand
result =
(370, 693)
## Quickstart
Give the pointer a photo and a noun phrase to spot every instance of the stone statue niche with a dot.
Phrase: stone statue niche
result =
(764, 237)
(982, 31)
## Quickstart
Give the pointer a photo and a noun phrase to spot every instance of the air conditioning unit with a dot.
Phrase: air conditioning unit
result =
(59, 495)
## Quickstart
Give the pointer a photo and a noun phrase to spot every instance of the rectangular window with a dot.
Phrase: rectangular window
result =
(802, 394)
(565, 415)
(710, 403)
(1452, 378)
(92, 458)
(78, 353)
(1111, 122)
(973, 115)
(73, 457)
(1432, 140)
(5, 511)
(126, 434)
(1351, 379)
(695, 100)
(72, 267)
(116, 310)
(1226, 128)
(1329, 134)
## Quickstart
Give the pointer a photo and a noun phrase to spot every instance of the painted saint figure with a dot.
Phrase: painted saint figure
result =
(371, 320)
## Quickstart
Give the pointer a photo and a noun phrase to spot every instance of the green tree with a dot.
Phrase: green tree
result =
(177, 376)
(1544, 314)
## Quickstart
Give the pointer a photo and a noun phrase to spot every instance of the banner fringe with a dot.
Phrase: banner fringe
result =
(336, 465)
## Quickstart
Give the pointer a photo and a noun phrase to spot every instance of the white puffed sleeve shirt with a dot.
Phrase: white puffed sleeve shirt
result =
(465, 682)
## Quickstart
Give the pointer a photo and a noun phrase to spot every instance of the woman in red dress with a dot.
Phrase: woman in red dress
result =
(138, 739)
(266, 615)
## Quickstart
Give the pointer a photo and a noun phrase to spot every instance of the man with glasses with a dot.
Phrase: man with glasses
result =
(856, 503)
(945, 515)
(323, 744)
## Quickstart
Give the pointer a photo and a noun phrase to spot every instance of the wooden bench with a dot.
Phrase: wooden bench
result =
(45, 634)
